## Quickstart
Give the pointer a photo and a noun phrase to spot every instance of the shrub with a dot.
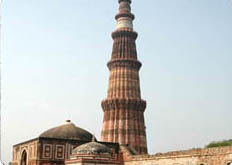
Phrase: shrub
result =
(219, 143)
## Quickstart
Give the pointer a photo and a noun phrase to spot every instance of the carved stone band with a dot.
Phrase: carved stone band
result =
(124, 63)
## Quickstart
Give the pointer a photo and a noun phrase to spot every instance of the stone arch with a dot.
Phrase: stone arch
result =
(24, 158)
(202, 163)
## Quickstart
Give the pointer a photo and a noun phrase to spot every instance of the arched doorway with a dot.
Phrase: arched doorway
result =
(24, 158)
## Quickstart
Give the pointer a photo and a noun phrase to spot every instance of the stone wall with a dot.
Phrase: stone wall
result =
(212, 156)
(29, 148)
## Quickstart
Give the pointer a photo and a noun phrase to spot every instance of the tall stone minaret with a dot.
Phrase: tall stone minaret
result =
(123, 108)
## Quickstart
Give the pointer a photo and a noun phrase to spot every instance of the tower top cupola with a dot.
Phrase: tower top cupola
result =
(124, 17)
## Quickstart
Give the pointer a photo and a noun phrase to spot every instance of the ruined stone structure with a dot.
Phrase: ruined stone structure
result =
(123, 121)
(123, 138)
(211, 156)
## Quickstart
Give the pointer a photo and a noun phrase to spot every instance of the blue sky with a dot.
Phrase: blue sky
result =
(54, 56)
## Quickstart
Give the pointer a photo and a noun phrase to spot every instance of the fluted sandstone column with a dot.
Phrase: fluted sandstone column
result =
(123, 108)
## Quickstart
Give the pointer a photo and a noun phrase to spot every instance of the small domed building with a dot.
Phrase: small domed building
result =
(93, 153)
(51, 147)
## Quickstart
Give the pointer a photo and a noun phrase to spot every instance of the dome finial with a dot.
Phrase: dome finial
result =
(93, 139)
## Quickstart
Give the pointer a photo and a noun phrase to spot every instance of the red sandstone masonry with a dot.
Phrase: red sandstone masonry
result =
(123, 108)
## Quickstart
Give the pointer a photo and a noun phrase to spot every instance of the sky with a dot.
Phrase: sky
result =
(54, 55)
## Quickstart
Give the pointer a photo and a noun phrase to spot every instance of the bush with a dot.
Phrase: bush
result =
(219, 143)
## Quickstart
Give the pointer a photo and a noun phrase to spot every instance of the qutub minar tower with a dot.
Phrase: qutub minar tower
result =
(123, 130)
(123, 108)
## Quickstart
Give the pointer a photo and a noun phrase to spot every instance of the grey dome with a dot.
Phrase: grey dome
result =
(67, 131)
(92, 148)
